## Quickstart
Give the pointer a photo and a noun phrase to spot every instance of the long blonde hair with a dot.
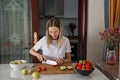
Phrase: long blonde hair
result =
(56, 23)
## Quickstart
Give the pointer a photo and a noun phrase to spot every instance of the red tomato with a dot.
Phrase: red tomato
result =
(54, 65)
(87, 69)
(77, 64)
(39, 69)
(44, 68)
(78, 67)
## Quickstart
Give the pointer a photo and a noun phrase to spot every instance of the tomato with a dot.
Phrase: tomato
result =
(54, 65)
(39, 69)
(78, 67)
(44, 68)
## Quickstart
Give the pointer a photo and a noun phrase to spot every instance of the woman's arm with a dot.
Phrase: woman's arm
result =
(68, 57)
(37, 54)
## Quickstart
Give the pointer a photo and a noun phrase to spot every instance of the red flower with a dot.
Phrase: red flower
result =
(111, 36)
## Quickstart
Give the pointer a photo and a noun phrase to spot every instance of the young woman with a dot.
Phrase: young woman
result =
(54, 45)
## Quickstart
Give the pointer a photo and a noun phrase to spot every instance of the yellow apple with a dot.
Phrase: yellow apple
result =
(62, 67)
(80, 61)
(69, 67)
(35, 75)
(24, 71)
(19, 62)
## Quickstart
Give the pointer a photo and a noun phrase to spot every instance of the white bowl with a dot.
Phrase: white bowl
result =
(18, 64)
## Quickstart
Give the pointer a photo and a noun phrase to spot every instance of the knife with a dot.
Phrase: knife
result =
(50, 62)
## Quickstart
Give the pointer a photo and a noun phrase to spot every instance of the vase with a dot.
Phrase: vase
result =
(111, 57)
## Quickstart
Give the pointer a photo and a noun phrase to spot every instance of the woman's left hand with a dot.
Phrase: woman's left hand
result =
(60, 61)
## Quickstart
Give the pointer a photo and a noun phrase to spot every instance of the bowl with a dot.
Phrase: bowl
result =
(18, 64)
(84, 67)
(85, 73)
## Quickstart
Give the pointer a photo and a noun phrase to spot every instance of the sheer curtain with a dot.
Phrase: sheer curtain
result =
(15, 30)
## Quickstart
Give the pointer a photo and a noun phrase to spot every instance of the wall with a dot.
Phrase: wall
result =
(95, 25)
(65, 26)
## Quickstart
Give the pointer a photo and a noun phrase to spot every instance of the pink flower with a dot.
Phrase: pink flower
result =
(111, 36)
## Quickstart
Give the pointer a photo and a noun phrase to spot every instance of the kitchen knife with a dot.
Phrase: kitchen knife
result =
(50, 62)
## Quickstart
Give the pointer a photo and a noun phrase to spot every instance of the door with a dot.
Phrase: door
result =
(15, 32)
(35, 24)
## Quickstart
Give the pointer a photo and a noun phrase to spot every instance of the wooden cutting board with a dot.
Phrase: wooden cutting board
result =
(52, 69)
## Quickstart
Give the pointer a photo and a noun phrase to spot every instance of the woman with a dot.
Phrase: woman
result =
(54, 46)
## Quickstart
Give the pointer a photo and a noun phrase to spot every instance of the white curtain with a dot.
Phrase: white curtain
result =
(15, 30)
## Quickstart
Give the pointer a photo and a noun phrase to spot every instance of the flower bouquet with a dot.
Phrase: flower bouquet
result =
(112, 38)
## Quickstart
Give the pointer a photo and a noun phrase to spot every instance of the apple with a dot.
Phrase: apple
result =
(69, 67)
(80, 61)
(35, 75)
(24, 71)
(62, 68)
(19, 62)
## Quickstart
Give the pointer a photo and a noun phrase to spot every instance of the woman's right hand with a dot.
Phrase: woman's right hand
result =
(41, 58)
(38, 55)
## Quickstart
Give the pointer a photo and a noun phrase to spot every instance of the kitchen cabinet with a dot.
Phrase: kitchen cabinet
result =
(74, 48)
(51, 7)
(70, 8)
(59, 8)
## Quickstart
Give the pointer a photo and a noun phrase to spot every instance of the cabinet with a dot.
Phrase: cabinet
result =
(59, 8)
(51, 7)
(74, 48)
(71, 8)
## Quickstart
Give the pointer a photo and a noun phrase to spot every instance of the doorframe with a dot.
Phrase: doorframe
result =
(82, 26)
(34, 9)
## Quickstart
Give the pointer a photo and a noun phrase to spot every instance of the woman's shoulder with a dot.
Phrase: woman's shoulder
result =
(43, 38)
(65, 38)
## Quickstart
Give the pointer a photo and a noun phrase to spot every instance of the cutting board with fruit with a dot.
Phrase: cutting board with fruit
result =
(66, 68)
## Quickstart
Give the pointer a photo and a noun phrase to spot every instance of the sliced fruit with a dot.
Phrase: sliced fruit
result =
(62, 67)
(69, 67)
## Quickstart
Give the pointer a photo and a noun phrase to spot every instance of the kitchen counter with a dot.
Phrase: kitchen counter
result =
(6, 73)
(111, 71)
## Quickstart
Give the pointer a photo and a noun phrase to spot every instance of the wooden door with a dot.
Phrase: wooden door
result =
(35, 24)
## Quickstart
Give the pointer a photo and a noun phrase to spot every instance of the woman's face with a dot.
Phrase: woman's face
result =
(54, 32)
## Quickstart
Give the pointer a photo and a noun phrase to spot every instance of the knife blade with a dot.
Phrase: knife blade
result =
(50, 62)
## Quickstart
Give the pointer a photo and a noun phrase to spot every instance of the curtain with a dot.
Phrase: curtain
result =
(112, 15)
(106, 26)
(14, 30)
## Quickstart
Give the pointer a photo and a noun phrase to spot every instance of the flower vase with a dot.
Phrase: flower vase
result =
(111, 57)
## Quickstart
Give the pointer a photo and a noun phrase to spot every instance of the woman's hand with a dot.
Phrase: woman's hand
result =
(41, 58)
(60, 61)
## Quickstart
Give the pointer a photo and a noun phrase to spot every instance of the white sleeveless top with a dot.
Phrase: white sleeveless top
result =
(54, 51)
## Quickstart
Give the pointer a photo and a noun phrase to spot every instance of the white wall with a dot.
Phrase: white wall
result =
(95, 25)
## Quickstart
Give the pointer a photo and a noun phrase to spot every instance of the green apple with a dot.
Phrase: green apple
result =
(62, 67)
(35, 75)
(24, 71)
(14, 62)
(19, 62)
